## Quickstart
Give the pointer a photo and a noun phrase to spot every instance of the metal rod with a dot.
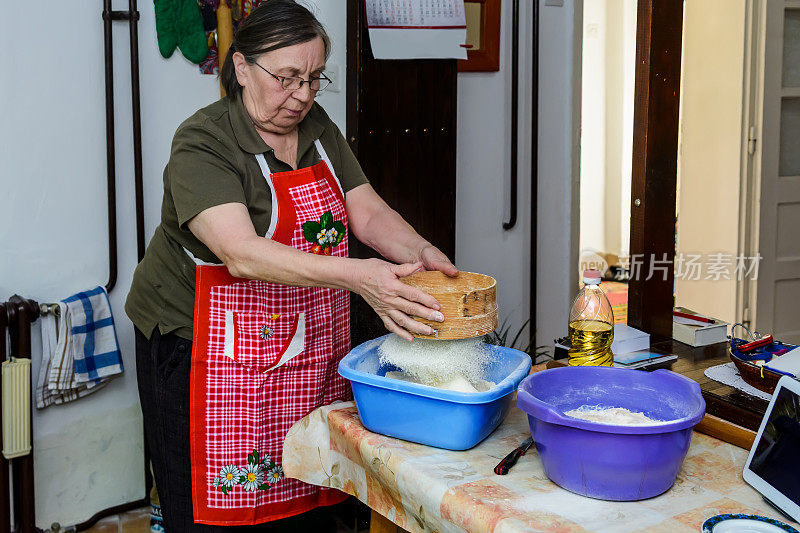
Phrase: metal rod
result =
(46, 309)
(514, 114)
(534, 165)
(133, 18)
(13, 336)
(25, 312)
(5, 495)
(108, 16)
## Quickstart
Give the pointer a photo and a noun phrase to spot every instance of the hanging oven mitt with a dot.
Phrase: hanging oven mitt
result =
(180, 24)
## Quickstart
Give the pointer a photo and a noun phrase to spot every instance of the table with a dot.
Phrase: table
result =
(424, 489)
(722, 400)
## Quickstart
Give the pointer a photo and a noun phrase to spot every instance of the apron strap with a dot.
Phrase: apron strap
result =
(324, 157)
(267, 173)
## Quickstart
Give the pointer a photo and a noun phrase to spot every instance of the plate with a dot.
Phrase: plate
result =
(745, 523)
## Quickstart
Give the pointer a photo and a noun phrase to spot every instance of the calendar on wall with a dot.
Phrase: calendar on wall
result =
(416, 14)
(417, 29)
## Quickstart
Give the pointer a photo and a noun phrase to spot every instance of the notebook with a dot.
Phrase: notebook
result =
(788, 363)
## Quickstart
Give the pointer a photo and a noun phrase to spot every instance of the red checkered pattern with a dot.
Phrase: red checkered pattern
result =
(307, 198)
(261, 338)
(248, 409)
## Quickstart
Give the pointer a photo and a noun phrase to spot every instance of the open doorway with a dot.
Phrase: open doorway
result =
(607, 97)
(712, 259)
(710, 262)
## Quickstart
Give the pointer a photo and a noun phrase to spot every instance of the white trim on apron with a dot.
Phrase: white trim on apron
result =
(267, 173)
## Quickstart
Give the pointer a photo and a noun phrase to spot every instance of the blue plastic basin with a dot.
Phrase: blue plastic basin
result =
(605, 461)
(427, 415)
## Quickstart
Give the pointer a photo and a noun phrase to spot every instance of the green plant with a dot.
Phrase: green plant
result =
(500, 336)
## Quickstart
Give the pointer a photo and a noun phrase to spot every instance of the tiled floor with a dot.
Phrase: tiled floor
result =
(136, 521)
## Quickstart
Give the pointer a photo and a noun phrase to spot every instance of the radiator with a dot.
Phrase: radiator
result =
(16, 376)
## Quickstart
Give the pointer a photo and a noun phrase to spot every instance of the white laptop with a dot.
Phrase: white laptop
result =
(773, 466)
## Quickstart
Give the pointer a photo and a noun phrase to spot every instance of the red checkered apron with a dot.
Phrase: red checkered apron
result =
(264, 355)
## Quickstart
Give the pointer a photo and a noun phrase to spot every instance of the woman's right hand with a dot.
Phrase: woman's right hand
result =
(378, 282)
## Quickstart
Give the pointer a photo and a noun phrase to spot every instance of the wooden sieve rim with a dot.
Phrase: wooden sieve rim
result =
(436, 281)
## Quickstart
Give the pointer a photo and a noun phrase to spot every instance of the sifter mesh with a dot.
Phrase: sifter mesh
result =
(434, 362)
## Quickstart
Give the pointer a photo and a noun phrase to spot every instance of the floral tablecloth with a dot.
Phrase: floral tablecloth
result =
(424, 489)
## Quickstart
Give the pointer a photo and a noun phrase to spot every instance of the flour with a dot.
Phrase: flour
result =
(457, 384)
(616, 416)
(458, 365)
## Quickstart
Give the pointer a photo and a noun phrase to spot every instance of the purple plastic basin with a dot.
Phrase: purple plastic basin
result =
(604, 461)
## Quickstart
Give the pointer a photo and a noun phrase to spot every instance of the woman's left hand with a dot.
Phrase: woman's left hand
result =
(433, 259)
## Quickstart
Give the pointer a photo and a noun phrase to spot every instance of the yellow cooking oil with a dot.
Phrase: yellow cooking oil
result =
(591, 343)
(591, 324)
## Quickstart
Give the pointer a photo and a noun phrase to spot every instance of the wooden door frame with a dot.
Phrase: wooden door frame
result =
(751, 155)
(659, 31)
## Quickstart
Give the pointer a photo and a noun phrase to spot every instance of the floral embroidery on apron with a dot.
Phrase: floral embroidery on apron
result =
(325, 234)
(259, 473)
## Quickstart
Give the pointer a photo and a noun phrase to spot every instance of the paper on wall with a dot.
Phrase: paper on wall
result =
(415, 13)
(417, 29)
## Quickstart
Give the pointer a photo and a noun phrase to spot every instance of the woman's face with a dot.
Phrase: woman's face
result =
(272, 108)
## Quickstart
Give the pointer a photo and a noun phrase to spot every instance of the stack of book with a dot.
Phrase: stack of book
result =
(631, 348)
(788, 363)
(695, 329)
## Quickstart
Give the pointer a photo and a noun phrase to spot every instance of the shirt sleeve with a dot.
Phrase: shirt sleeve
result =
(201, 173)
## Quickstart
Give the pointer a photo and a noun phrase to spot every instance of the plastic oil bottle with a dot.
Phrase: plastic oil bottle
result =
(591, 325)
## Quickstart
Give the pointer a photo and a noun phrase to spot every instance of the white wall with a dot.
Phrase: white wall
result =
(483, 168)
(609, 50)
(710, 147)
(593, 128)
(88, 454)
(559, 123)
(628, 79)
(483, 174)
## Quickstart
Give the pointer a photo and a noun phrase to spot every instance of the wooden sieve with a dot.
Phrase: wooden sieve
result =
(469, 303)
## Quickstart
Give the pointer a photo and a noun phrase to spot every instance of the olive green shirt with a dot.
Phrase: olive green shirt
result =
(213, 162)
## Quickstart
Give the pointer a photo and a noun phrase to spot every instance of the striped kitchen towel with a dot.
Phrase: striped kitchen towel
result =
(56, 384)
(95, 350)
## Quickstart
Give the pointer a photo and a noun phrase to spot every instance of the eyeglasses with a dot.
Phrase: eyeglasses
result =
(293, 83)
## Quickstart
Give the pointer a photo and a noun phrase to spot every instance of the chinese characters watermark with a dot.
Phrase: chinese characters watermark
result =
(692, 266)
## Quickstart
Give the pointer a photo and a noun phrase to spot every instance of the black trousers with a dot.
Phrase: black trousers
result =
(162, 369)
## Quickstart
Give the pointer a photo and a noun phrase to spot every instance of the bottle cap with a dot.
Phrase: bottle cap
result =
(592, 277)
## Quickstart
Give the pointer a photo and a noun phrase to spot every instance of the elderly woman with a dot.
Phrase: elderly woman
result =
(241, 301)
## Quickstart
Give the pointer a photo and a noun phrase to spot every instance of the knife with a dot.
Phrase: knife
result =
(511, 459)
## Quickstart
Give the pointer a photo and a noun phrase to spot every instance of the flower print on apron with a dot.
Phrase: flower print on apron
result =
(264, 355)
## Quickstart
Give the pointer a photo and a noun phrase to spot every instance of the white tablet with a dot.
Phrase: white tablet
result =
(773, 466)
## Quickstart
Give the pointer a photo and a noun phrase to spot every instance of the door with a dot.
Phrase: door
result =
(778, 285)
(712, 127)
(401, 124)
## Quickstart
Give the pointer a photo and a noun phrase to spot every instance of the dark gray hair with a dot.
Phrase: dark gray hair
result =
(272, 25)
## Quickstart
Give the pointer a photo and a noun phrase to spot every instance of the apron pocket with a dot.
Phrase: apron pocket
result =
(263, 341)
